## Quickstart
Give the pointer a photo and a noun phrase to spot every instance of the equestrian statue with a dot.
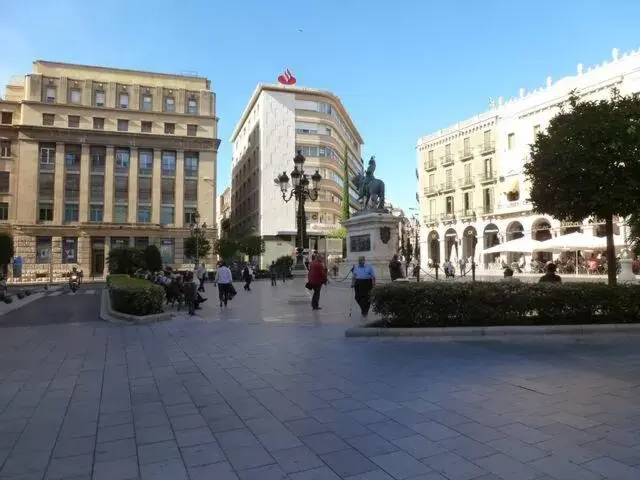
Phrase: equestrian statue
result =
(370, 188)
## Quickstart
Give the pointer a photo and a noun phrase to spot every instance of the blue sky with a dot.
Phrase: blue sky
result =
(403, 69)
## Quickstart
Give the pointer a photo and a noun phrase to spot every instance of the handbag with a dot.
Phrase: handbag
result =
(308, 286)
(232, 291)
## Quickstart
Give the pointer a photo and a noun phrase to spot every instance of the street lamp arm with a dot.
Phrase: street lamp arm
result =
(291, 194)
(312, 195)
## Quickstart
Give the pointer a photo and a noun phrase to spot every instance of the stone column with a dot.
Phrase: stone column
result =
(108, 184)
(85, 167)
(56, 257)
(58, 188)
(179, 200)
(84, 254)
(132, 210)
(156, 181)
(107, 248)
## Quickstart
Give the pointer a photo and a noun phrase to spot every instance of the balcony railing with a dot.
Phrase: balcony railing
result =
(487, 209)
(97, 163)
(467, 213)
(431, 190)
(447, 187)
(47, 167)
(430, 219)
(430, 165)
(487, 147)
(96, 195)
(466, 154)
(448, 217)
(446, 160)
(488, 176)
(467, 182)
(145, 172)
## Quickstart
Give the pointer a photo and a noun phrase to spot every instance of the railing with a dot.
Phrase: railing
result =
(431, 190)
(487, 210)
(168, 172)
(466, 154)
(190, 173)
(447, 186)
(47, 167)
(488, 176)
(446, 159)
(448, 217)
(467, 213)
(430, 219)
(431, 165)
(145, 172)
(144, 197)
(487, 147)
(97, 163)
(467, 182)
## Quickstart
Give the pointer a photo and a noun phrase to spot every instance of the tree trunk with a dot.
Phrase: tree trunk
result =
(611, 252)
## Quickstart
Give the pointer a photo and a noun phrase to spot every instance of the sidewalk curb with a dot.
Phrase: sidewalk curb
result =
(18, 304)
(456, 333)
(110, 315)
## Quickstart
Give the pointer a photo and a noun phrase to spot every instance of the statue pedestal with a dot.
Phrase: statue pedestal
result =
(626, 274)
(374, 235)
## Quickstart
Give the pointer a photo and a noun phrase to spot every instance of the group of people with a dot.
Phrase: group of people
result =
(550, 275)
(181, 288)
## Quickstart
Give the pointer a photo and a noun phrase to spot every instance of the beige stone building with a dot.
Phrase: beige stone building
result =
(94, 157)
(277, 122)
(224, 207)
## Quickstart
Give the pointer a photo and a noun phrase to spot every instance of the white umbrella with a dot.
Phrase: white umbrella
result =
(575, 241)
(523, 245)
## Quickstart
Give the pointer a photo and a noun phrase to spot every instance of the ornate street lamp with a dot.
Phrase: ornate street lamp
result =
(196, 229)
(474, 243)
(303, 187)
(416, 245)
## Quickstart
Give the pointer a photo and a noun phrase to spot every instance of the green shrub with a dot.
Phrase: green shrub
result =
(125, 260)
(152, 258)
(479, 304)
(135, 296)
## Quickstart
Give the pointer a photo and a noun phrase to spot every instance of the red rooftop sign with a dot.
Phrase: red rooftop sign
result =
(287, 78)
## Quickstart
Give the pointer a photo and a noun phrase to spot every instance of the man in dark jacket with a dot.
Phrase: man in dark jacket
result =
(395, 268)
(316, 278)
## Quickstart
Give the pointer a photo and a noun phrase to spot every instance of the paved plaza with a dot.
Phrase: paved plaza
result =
(267, 390)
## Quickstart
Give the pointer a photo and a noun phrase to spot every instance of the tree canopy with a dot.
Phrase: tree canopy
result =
(197, 245)
(587, 163)
(226, 248)
(6, 248)
(252, 245)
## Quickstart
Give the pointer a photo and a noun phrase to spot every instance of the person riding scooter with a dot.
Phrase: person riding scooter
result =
(74, 279)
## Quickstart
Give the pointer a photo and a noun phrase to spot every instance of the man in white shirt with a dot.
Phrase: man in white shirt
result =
(224, 279)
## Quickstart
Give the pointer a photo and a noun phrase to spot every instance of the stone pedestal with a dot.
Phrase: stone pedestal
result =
(626, 274)
(374, 235)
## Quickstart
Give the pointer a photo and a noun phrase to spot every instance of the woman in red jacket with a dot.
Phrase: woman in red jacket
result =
(316, 278)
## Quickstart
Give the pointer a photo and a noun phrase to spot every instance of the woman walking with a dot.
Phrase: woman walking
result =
(316, 278)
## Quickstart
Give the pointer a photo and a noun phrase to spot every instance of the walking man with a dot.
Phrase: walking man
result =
(223, 279)
(189, 288)
(202, 276)
(316, 278)
(273, 273)
(364, 280)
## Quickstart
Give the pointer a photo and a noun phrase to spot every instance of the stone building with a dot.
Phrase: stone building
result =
(94, 157)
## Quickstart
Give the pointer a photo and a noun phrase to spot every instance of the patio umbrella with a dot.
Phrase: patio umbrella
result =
(519, 245)
(575, 241)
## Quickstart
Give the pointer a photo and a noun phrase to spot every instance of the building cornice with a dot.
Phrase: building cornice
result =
(262, 87)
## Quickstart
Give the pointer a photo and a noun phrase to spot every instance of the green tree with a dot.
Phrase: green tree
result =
(152, 258)
(197, 246)
(125, 260)
(253, 245)
(6, 251)
(225, 226)
(226, 248)
(346, 198)
(340, 232)
(587, 164)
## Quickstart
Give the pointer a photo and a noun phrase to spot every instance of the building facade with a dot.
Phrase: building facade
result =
(471, 183)
(224, 208)
(94, 158)
(277, 122)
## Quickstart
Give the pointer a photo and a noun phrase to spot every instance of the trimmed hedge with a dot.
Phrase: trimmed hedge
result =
(135, 296)
(481, 304)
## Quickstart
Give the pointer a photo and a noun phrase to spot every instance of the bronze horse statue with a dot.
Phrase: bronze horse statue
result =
(372, 196)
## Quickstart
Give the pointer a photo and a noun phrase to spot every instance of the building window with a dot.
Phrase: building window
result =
(146, 127)
(95, 213)
(467, 201)
(192, 130)
(449, 205)
(43, 249)
(166, 215)
(191, 161)
(169, 128)
(45, 186)
(120, 213)
(73, 121)
(147, 103)
(72, 187)
(76, 96)
(50, 95)
(432, 208)
(189, 216)
(6, 118)
(145, 162)
(141, 242)
(191, 191)
(122, 159)
(467, 173)
(167, 250)
(48, 119)
(169, 104)
(98, 155)
(121, 188)
(69, 250)
(192, 106)
(536, 131)
(4, 211)
(124, 100)
(488, 200)
(144, 214)
(511, 141)
(45, 213)
(4, 182)
(99, 99)
(71, 212)
(168, 163)
(144, 189)
(123, 125)
(168, 190)
(5, 149)
(98, 123)
(430, 157)
(466, 146)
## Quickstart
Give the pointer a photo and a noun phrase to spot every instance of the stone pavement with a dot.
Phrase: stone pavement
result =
(268, 390)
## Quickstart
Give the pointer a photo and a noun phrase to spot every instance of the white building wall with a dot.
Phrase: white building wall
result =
(277, 149)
